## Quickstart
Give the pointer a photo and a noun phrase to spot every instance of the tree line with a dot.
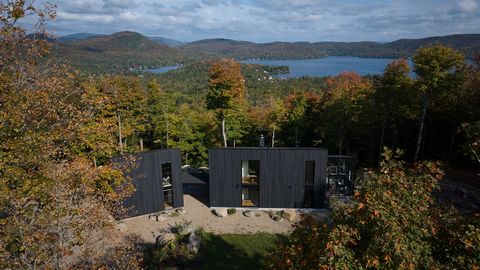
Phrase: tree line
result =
(431, 115)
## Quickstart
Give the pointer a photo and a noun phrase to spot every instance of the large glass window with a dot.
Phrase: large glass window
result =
(167, 174)
(250, 182)
(309, 183)
(251, 171)
(250, 196)
(167, 184)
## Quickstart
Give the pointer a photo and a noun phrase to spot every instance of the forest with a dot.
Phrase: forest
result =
(60, 127)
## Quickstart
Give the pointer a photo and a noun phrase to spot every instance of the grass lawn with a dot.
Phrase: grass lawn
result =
(224, 251)
(237, 251)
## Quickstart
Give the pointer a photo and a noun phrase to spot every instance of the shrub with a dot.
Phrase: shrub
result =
(392, 223)
(231, 211)
(174, 253)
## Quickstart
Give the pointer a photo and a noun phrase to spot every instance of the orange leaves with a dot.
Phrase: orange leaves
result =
(360, 206)
(227, 84)
(373, 262)
(348, 85)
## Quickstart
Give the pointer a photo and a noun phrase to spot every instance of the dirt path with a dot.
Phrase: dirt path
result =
(201, 216)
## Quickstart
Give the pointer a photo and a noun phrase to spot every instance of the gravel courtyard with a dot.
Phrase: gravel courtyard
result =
(200, 215)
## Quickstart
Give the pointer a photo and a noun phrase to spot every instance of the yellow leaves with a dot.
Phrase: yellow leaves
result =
(373, 262)
(17, 12)
(226, 85)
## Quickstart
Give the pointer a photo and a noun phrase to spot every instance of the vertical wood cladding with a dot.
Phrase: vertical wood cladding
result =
(282, 176)
(147, 178)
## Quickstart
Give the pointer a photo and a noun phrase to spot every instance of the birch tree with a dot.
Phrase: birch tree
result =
(226, 93)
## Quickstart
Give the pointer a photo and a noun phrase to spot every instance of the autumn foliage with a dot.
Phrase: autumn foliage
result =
(54, 203)
(393, 222)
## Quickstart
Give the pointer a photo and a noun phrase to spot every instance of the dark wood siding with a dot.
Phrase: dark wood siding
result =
(147, 178)
(282, 176)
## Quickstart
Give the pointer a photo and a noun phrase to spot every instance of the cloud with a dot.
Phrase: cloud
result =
(119, 4)
(81, 6)
(467, 6)
(270, 20)
(65, 16)
(128, 16)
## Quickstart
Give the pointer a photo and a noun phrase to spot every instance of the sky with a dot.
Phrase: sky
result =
(270, 20)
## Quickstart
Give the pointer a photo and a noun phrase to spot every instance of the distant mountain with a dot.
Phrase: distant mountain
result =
(467, 43)
(82, 36)
(77, 37)
(246, 49)
(41, 36)
(167, 41)
(119, 51)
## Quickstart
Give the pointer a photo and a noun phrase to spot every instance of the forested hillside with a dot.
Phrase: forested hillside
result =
(248, 50)
(467, 43)
(119, 52)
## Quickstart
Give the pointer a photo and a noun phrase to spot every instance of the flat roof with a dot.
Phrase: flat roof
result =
(194, 178)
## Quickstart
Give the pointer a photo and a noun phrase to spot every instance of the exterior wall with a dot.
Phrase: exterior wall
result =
(282, 176)
(147, 178)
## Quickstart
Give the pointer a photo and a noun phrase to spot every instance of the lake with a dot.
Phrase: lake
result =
(163, 69)
(328, 66)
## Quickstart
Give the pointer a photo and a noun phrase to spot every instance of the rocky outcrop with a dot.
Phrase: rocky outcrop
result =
(194, 242)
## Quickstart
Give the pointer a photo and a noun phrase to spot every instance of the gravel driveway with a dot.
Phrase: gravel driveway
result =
(200, 215)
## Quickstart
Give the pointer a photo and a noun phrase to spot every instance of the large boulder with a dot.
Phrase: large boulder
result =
(163, 216)
(194, 242)
(275, 216)
(191, 229)
(220, 212)
(290, 215)
(180, 211)
(248, 213)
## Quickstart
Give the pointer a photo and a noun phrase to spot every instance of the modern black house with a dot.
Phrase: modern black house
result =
(156, 176)
(267, 177)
